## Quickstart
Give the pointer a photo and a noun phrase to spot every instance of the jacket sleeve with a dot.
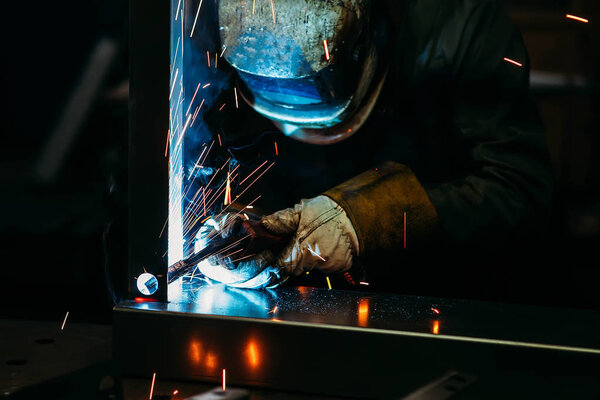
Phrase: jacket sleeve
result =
(508, 180)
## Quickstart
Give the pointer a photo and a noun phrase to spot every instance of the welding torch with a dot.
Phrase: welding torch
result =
(246, 237)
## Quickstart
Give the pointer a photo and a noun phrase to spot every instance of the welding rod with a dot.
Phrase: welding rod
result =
(248, 235)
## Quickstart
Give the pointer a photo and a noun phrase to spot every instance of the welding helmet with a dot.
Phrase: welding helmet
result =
(310, 66)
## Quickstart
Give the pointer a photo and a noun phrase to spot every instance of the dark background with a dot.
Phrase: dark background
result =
(52, 229)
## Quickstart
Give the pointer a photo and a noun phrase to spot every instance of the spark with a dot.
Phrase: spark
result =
(167, 144)
(152, 385)
(328, 282)
(364, 283)
(175, 392)
(163, 228)
(276, 150)
(249, 206)
(274, 310)
(196, 18)
(222, 107)
(253, 5)
(64, 321)
(518, 64)
(219, 136)
(236, 99)
(205, 86)
(404, 229)
(174, 81)
(208, 58)
(315, 252)
(193, 97)
(183, 131)
(435, 329)
(246, 215)
(585, 21)
(273, 11)
(326, 49)
(224, 379)
(176, 50)
(435, 310)
(252, 173)
(177, 15)
(227, 191)
(216, 60)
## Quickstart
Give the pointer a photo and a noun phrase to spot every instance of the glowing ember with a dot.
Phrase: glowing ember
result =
(326, 49)
(276, 150)
(64, 321)
(175, 392)
(152, 385)
(518, 64)
(224, 381)
(585, 21)
(363, 312)
(196, 18)
(435, 328)
(435, 310)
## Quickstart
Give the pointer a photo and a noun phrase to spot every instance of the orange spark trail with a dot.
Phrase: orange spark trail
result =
(326, 49)
(252, 173)
(222, 107)
(273, 11)
(167, 144)
(224, 383)
(219, 136)
(585, 21)
(208, 58)
(276, 151)
(193, 97)
(205, 86)
(152, 385)
(513, 62)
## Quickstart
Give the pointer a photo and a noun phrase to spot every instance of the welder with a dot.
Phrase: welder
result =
(391, 116)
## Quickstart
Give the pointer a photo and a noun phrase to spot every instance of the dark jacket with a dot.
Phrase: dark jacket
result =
(465, 149)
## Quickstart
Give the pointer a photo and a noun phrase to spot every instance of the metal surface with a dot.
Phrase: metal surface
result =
(347, 343)
(40, 359)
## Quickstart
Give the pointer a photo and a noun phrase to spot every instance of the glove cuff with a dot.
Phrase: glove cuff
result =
(376, 200)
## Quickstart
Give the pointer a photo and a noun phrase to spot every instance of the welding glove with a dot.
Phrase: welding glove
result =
(323, 237)
(235, 270)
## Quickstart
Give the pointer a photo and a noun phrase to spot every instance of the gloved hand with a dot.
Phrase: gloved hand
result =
(234, 268)
(323, 237)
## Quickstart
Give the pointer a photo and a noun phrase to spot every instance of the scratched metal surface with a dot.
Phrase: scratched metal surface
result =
(454, 318)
